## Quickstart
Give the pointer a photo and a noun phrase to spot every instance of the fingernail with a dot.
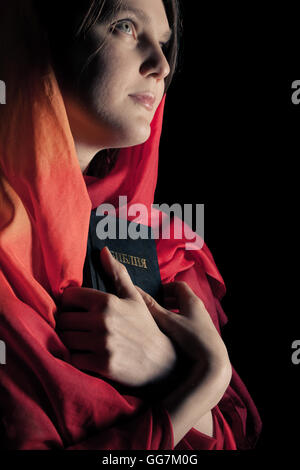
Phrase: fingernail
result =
(107, 250)
(104, 250)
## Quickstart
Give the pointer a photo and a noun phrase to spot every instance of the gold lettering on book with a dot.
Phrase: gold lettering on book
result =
(129, 259)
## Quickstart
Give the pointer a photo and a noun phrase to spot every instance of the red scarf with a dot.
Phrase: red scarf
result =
(45, 204)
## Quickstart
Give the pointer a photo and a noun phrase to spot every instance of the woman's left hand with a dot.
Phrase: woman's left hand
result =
(115, 335)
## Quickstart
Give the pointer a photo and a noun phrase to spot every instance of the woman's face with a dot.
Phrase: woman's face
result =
(123, 85)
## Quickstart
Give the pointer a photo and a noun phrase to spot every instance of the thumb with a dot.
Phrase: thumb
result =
(119, 274)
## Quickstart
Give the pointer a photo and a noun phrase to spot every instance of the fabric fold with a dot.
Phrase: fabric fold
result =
(45, 204)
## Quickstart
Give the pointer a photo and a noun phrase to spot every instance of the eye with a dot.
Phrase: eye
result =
(126, 26)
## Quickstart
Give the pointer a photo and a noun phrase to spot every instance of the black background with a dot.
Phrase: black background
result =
(230, 142)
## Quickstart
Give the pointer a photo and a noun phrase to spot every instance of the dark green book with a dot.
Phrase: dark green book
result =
(138, 255)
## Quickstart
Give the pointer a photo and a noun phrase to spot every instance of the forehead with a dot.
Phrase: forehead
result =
(149, 11)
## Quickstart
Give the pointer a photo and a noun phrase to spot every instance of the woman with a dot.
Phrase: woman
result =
(85, 98)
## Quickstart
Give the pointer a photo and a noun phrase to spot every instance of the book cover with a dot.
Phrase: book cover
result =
(138, 255)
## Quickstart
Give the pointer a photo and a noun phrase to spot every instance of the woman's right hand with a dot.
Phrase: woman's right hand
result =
(191, 401)
(192, 329)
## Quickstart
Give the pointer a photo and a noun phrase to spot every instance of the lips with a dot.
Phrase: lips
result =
(146, 99)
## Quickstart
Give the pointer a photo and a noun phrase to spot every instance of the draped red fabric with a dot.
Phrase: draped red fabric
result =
(45, 204)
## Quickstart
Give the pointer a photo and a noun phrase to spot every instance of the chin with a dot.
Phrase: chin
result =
(136, 136)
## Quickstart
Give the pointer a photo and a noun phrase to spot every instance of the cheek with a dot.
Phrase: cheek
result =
(111, 79)
(104, 89)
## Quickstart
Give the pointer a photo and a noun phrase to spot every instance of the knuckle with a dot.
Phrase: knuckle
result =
(122, 268)
(194, 300)
(151, 302)
(110, 302)
(108, 321)
(109, 344)
(180, 283)
(183, 286)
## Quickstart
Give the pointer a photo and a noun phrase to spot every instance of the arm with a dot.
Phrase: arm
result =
(190, 403)
(205, 425)
(190, 406)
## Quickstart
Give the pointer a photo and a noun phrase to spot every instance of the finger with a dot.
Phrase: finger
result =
(80, 321)
(157, 311)
(82, 297)
(78, 341)
(166, 320)
(118, 272)
(173, 288)
(149, 300)
(187, 300)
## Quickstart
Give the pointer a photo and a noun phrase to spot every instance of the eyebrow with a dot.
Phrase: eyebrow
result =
(144, 18)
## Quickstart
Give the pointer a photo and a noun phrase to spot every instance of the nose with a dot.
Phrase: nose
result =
(155, 64)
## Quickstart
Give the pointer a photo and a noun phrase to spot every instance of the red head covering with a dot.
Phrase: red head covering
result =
(45, 204)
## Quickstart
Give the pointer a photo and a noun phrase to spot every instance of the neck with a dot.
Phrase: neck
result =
(85, 154)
